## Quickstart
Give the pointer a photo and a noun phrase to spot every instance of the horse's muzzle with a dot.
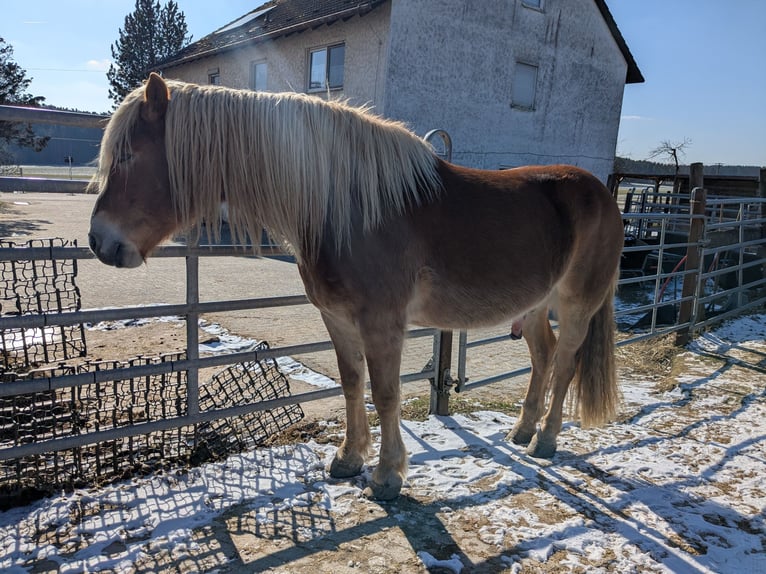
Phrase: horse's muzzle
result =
(111, 247)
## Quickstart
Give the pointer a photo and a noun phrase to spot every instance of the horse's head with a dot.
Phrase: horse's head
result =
(134, 211)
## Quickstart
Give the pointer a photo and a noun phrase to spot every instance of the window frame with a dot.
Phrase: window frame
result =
(523, 105)
(214, 76)
(532, 5)
(254, 75)
(326, 86)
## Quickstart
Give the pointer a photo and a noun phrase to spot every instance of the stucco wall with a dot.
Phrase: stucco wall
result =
(366, 38)
(452, 68)
(450, 65)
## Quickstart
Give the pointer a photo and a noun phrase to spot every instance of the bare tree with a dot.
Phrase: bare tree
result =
(671, 150)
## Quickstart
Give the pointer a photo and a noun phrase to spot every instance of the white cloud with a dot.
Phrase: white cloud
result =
(635, 118)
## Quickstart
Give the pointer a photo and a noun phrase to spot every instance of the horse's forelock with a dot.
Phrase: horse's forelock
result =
(116, 141)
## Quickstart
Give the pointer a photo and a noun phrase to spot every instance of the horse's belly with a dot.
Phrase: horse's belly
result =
(448, 306)
(457, 318)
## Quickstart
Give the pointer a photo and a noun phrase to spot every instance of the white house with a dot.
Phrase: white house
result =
(513, 82)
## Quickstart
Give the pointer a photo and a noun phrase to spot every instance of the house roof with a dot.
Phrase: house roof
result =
(270, 20)
(277, 18)
(634, 75)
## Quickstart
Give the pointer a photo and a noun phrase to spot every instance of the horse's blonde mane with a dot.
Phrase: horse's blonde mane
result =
(292, 163)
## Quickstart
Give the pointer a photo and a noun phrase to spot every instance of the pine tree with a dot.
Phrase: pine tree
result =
(13, 91)
(151, 33)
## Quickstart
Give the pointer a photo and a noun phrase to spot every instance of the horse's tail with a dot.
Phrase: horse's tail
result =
(595, 382)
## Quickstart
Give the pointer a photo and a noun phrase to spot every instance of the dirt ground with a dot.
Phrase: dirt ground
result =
(366, 536)
(689, 513)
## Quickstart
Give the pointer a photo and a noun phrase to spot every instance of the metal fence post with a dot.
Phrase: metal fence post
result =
(440, 386)
(192, 330)
(692, 269)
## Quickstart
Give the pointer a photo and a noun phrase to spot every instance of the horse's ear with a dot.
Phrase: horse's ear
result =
(156, 97)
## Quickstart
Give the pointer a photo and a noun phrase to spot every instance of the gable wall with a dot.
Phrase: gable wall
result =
(454, 69)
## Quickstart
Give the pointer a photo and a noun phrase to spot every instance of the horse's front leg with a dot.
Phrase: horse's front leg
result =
(349, 351)
(383, 348)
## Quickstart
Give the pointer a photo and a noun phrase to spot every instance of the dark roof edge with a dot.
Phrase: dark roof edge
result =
(634, 75)
(299, 27)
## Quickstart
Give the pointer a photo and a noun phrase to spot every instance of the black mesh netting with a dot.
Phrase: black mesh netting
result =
(77, 411)
(39, 287)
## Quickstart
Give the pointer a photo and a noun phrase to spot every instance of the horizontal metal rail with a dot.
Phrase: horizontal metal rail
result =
(42, 384)
(719, 317)
(56, 252)
(151, 311)
(470, 385)
(136, 429)
(64, 443)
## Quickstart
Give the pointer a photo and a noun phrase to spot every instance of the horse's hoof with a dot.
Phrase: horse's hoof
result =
(520, 436)
(345, 468)
(387, 491)
(541, 448)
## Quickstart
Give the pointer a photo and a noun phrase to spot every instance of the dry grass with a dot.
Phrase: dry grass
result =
(416, 408)
(652, 358)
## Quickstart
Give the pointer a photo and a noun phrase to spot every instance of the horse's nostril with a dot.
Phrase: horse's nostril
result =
(93, 242)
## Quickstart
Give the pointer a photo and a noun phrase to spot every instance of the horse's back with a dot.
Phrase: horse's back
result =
(497, 242)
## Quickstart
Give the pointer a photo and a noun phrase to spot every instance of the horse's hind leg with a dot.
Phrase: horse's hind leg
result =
(541, 341)
(573, 319)
(352, 453)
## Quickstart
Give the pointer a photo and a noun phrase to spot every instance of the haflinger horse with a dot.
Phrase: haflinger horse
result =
(385, 234)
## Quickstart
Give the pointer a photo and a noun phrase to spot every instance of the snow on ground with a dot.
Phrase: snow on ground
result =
(16, 340)
(679, 486)
(223, 342)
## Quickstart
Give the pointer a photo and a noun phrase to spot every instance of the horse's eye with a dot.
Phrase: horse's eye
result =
(124, 157)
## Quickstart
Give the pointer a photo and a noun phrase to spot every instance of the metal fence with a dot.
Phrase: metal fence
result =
(74, 424)
(687, 262)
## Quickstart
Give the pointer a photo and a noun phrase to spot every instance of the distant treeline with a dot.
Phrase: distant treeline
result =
(62, 109)
(637, 166)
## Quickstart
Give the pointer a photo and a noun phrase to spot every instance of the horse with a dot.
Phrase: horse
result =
(385, 235)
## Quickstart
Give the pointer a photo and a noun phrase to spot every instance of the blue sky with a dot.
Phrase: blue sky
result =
(704, 62)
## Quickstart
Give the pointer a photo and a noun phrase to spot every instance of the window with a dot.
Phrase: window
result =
(258, 76)
(524, 86)
(326, 68)
(214, 77)
(537, 4)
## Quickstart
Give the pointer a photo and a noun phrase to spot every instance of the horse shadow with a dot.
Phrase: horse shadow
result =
(698, 527)
(695, 530)
(688, 532)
